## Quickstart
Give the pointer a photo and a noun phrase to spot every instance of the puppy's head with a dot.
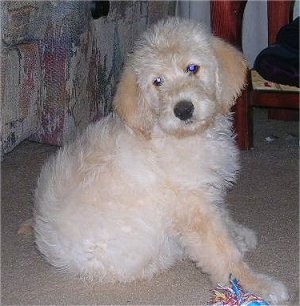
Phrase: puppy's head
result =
(180, 78)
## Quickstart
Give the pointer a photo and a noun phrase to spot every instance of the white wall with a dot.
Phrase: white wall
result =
(255, 36)
(196, 10)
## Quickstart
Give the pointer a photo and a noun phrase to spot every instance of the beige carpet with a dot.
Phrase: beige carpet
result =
(265, 198)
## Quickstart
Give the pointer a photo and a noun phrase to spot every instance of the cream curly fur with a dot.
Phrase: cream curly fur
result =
(144, 188)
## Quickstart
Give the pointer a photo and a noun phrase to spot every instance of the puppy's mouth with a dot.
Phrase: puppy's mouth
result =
(188, 121)
(184, 119)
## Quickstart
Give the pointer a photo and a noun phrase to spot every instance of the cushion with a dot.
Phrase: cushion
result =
(259, 83)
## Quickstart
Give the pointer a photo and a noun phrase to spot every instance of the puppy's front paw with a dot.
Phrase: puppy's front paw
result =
(271, 290)
(277, 293)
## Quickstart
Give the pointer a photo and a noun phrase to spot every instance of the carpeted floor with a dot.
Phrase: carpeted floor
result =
(265, 198)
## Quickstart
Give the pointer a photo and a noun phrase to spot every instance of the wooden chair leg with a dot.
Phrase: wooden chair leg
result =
(243, 122)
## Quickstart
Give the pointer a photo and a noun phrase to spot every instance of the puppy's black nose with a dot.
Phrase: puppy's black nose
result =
(184, 110)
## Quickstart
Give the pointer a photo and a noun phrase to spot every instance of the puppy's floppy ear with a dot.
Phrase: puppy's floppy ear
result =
(131, 104)
(231, 74)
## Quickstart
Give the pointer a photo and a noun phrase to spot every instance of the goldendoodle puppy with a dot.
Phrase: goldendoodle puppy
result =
(145, 187)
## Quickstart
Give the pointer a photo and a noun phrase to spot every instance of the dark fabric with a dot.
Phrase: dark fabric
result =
(288, 35)
(279, 62)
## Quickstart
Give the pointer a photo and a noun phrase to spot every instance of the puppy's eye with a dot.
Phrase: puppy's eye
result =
(192, 68)
(158, 81)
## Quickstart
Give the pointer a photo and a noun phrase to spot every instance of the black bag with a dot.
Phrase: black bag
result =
(279, 63)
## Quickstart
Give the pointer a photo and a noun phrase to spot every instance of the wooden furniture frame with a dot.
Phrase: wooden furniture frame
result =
(227, 23)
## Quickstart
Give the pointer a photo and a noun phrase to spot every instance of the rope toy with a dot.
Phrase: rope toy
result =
(235, 295)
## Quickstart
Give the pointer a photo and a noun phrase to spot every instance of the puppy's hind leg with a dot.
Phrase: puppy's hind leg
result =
(207, 241)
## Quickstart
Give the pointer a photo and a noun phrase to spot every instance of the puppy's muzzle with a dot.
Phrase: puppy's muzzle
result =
(184, 110)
